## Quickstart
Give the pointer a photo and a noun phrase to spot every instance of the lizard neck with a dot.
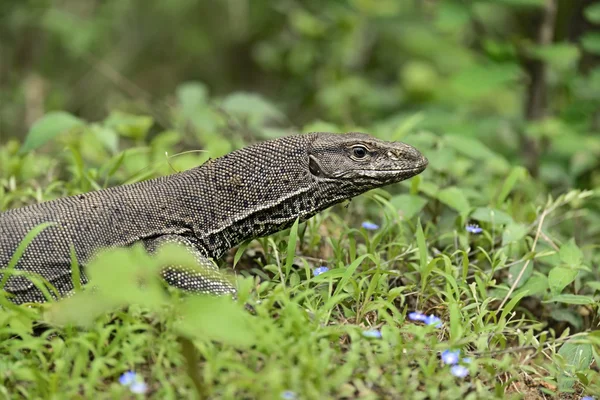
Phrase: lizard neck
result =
(249, 193)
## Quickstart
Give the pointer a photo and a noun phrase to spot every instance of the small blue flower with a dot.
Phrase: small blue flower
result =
(318, 271)
(433, 320)
(136, 383)
(288, 395)
(139, 387)
(459, 371)
(588, 398)
(417, 316)
(372, 333)
(370, 226)
(474, 229)
(127, 378)
(450, 357)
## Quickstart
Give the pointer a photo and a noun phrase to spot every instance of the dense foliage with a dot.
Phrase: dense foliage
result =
(498, 238)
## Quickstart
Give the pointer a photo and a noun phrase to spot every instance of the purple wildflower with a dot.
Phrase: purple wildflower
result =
(450, 357)
(370, 226)
(372, 333)
(417, 316)
(474, 229)
(134, 381)
(288, 395)
(433, 320)
(139, 387)
(459, 371)
(318, 271)
(127, 378)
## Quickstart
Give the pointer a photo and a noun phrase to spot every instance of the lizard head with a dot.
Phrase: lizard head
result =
(363, 159)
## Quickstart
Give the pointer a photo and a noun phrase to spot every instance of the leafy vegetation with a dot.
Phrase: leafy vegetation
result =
(479, 278)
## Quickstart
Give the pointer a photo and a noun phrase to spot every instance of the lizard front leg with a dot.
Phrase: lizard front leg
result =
(209, 280)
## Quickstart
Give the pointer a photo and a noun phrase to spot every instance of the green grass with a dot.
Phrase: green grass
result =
(520, 299)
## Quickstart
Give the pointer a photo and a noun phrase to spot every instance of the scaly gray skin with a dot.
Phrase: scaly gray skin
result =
(249, 193)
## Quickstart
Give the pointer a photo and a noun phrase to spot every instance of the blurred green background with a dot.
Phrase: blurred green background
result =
(522, 76)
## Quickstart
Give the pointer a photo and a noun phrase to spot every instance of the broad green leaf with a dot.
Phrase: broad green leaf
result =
(470, 147)
(128, 276)
(454, 198)
(578, 357)
(570, 254)
(594, 285)
(515, 270)
(48, 127)
(567, 315)
(523, 3)
(561, 56)
(591, 42)
(216, 318)
(571, 299)
(536, 284)
(491, 215)
(513, 233)
(560, 277)
(129, 125)
(251, 108)
(592, 13)
(480, 80)
(516, 174)
(192, 96)
(408, 205)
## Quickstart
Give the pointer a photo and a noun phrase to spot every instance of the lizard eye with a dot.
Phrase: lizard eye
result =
(359, 151)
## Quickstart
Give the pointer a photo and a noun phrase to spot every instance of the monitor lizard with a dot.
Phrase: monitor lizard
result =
(249, 193)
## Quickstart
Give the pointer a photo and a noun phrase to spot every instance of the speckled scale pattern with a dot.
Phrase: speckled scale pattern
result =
(249, 193)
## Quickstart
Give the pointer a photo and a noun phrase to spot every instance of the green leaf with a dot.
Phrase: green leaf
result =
(491, 215)
(408, 205)
(481, 80)
(129, 125)
(130, 276)
(578, 357)
(470, 147)
(516, 174)
(48, 127)
(536, 284)
(513, 233)
(591, 42)
(567, 315)
(422, 244)
(252, 108)
(523, 3)
(454, 198)
(192, 96)
(560, 277)
(515, 270)
(561, 56)
(594, 285)
(216, 318)
(570, 254)
(571, 299)
(291, 248)
(592, 13)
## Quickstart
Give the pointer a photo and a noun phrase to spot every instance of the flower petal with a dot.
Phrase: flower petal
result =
(459, 371)
(450, 357)
(370, 226)
(127, 378)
